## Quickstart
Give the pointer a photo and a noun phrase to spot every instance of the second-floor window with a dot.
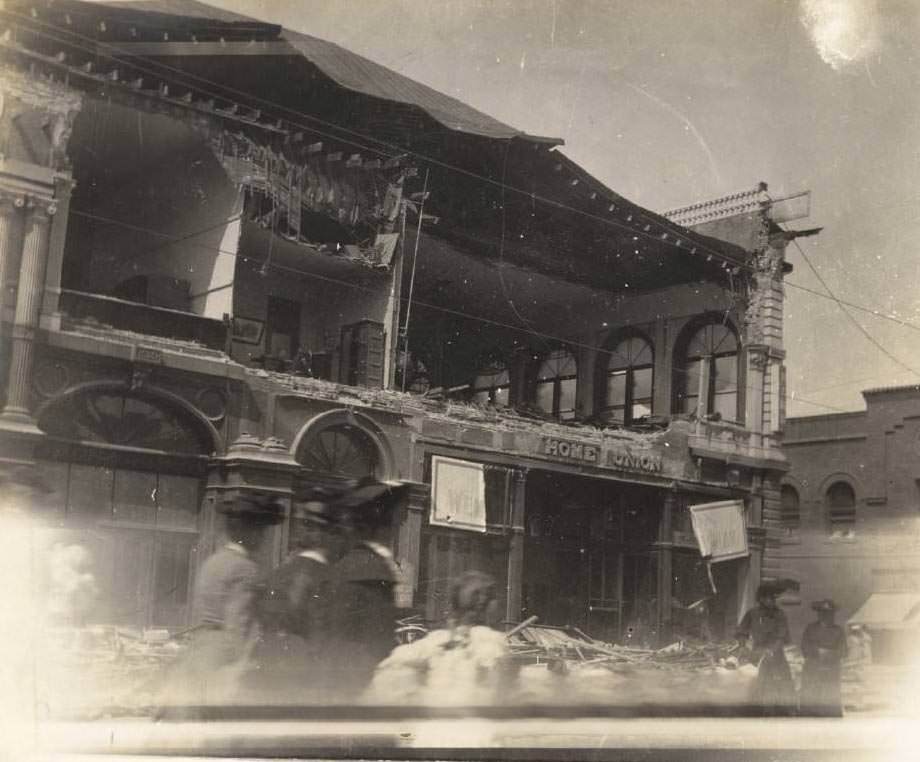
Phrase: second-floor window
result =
(492, 386)
(557, 378)
(714, 347)
(629, 381)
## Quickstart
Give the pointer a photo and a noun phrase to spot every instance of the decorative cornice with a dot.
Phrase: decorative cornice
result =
(745, 202)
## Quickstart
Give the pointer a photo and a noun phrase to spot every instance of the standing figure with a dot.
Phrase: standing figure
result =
(467, 663)
(824, 647)
(364, 613)
(211, 670)
(766, 627)
(293, 654)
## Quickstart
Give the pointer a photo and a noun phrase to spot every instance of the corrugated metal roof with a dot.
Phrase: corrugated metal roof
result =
(889, 611)
(357, 73)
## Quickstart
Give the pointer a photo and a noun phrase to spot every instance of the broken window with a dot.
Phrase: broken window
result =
(557, 378)
(629, 382)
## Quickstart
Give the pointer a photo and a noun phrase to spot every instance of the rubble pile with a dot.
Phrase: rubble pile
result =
(87, 669)
(565, 665)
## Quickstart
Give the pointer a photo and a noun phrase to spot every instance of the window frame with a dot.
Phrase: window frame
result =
(837, 523)
(492, 369)
(683, 361)
(566, 355)
(606, 372)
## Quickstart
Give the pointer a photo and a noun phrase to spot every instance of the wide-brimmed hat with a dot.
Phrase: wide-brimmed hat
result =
(257, 508)
(825, 604)
(771, 588)
(354, 502)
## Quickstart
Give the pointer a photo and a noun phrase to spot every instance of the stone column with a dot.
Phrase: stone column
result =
(665, 547)
(28, 302)
(516, 545)
(409, 540)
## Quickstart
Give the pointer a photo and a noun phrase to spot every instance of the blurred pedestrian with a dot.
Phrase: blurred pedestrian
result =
(766, 628)
(212, 669)
(824, 647)
(293, 655)
(364, 583)
(466, 663)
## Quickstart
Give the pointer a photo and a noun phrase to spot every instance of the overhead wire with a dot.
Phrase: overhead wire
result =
(420, 303)
(677, 231)
(339, 130)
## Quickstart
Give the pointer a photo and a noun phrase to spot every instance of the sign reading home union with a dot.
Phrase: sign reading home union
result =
(622, 458)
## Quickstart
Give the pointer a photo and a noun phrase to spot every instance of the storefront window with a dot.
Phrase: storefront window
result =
(556, 385)
(715, 345)
(629, 381)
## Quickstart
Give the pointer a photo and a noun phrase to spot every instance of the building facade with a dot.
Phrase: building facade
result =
(205, 293)
(850, 514)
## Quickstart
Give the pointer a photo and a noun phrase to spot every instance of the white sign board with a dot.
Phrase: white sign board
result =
(720, 530)
(458, 494)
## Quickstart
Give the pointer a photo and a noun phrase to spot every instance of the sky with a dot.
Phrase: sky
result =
(670, 102)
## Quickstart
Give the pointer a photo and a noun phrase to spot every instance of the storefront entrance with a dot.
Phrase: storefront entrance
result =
(590, 559)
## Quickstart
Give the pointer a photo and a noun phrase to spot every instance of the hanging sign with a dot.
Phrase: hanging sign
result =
(458, 494)
(720, 529)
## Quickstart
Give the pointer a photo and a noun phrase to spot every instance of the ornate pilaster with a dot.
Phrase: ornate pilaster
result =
(10, 244)
(28, 302)
(50, 314)
(517, 497)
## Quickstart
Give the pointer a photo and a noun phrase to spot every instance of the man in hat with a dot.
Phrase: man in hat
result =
(225, 630)
(824, 646)
(363, 617)
(293, 609)
(768, 631)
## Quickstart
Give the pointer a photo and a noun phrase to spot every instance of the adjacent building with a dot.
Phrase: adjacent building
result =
(236, 257)
(851, 516)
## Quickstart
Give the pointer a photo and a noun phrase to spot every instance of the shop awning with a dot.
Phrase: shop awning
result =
(889, 611)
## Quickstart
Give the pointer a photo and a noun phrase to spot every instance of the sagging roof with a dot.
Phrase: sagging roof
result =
(355, 72)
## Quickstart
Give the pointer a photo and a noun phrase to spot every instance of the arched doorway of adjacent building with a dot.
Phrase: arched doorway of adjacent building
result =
(127, 468)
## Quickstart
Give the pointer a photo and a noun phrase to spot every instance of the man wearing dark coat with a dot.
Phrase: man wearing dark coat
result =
(329, 612)
(824, 646)
(768, 631)
(362, 621)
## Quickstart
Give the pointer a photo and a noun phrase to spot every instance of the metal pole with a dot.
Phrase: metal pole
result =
(418, 236)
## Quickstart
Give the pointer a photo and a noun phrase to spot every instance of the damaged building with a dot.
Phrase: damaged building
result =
(235, 257)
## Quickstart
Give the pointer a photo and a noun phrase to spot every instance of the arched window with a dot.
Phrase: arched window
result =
(340, 450)
(715, 347)
(127, 469)
(492, 386)
(554, 391)
(789, 506)
(629, 383)
(841, 504)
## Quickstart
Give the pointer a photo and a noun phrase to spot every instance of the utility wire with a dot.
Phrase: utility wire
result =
(419, 303)
(850, 317)
(676, 230)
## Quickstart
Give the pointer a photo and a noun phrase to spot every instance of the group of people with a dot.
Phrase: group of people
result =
(320, 628)
(314, 627)
(824, 647)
